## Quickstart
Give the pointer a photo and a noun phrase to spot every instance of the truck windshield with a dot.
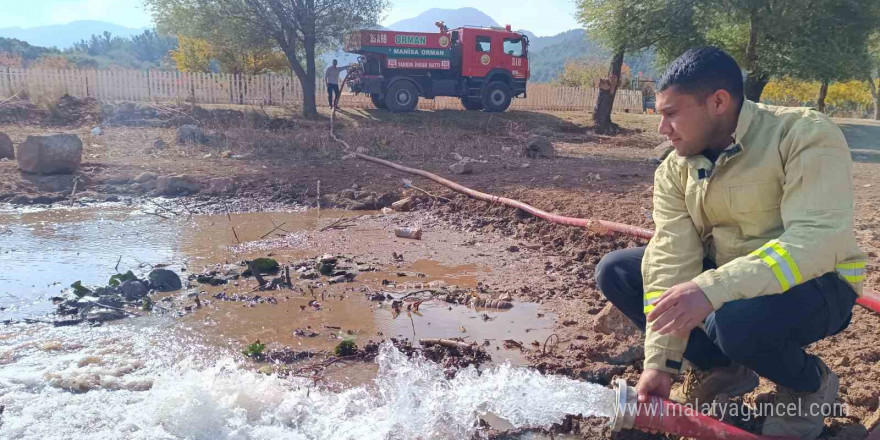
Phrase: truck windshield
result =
(513, 46)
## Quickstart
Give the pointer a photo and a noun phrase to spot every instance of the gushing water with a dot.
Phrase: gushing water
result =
(140, 383)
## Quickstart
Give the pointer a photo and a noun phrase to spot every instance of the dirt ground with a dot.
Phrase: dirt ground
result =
(595, 176)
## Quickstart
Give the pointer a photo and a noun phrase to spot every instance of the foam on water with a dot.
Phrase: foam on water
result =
(141, 383)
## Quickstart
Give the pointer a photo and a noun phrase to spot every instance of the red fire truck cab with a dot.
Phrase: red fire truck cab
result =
(484, 67)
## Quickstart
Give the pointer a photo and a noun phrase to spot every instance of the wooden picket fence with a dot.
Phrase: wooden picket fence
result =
(268, 90)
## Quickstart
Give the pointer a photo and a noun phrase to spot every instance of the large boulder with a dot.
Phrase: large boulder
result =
(59, 153)
(164, 280)
(7, 151)
(146, 176)
(661, 151)
(540, 147)
(611, 321)
(220, 185)
(190, 134)
(175, 185)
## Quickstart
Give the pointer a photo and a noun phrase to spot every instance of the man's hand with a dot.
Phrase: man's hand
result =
(680, 309)
(654, 383)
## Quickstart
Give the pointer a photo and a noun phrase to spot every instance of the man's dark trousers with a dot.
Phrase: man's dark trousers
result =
(331, 89)
(766, 334)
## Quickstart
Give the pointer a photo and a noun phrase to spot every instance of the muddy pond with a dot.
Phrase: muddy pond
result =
(178, 370)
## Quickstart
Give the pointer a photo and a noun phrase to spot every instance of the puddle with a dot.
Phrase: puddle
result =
(139, 377)
(44, 251)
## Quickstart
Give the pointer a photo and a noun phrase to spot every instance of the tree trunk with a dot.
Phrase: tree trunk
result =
(607, 91)
(875, 94)
(309, 108)
(755, 80)
(755, 86)
(823, 92)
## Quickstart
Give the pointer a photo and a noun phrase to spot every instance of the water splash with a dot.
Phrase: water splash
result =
(122, 383)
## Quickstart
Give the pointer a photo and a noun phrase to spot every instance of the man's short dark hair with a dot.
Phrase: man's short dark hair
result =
(702, 71)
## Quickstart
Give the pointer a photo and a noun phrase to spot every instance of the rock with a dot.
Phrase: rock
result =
(60, 153)
(661, 151)
(625, 354)
(20, 199)
(338, 279)
(159, 144)
(164, 280)
(145, 177)
(133, 290)
(104, 315)
(611, 321)
(266, 266)
(175, 185)
(403, 205)
(220, 185)
(463, 167)
(190, 134)
(216, 140)
(212, 279)
(7, 151)
(540, 147)
(97, 131)
(114, 301)
(544, 131)
(147, 186)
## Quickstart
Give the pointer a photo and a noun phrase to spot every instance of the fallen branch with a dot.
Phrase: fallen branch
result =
(339, 221)
(273, 230)
(156, 214)
(450, 343)
(544, 350)
(115, 308)
(408, 184)
(73, 192)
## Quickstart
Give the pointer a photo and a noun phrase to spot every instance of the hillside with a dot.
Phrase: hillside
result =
(63, 36)
(453, 18)
(548, 55)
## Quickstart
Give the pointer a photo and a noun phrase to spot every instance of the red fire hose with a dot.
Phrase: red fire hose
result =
(869, 299)
(602, 225)
(663, 415)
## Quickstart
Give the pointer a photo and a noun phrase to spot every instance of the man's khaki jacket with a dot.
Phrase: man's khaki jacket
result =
(774, 210)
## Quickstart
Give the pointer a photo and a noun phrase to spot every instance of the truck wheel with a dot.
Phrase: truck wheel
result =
(378, 101)
(470, 104)
(496, 97)
(401, 97)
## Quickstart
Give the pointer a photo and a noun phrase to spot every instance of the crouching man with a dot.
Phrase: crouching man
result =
(753, 257)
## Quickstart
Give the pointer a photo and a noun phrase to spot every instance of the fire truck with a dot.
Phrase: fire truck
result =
(484, 67)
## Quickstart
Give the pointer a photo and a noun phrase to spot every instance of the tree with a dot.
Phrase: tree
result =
(192, 55)
(873, 67)
(627, 27)
(298, 28)
(151, 46)
(830, 43)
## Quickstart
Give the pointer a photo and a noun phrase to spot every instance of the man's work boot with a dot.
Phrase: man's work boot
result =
(701, 386)
(810, 422)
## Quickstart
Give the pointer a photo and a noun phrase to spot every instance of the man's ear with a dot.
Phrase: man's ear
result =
(719, 101)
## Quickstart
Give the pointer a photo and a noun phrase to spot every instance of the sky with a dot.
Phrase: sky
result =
(543, 17)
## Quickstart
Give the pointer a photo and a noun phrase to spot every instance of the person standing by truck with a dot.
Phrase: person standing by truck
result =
(331, 77)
